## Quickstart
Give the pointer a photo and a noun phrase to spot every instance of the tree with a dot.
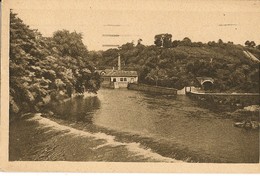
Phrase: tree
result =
(250, 43)
(247, 43)
(70, 43)
(175, 43)
(220, 41)
(128, 46)
(153, 75)
(186, 41)
(163, 40)
(139, 41)
(87, 81)
(212, 43)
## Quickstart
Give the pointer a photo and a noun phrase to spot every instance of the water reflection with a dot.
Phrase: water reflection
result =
(78, 109)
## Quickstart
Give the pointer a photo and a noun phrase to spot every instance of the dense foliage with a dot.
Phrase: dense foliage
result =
(177, 65)
(44, 69)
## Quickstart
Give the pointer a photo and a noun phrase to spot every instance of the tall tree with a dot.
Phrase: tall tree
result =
(70, 43)
(163, 40)
(250, 43)
(139, 41)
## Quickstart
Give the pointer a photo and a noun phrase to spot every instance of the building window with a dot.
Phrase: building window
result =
(114, 79)
(125, 79)
(121, 79)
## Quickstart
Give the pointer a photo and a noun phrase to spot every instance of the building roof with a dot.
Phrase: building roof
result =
(119, 73)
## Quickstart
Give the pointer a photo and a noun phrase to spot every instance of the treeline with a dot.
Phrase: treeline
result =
(44, 69)
(165, 41)
(178, 63)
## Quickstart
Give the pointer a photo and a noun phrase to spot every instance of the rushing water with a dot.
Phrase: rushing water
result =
(124, 125)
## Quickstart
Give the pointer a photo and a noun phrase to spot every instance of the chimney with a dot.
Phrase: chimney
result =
(119, 62)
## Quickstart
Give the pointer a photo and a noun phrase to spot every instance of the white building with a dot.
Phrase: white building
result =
(118, 78)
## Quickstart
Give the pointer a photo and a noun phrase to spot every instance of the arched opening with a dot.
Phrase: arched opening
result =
(207, 85)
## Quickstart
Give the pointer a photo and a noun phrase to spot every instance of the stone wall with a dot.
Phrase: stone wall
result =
(238, 99)
(152, 89)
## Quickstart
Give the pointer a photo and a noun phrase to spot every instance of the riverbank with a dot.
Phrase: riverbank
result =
(51, 99)
(48, 103)
(232, 99)
(250, 113)
(244, 107)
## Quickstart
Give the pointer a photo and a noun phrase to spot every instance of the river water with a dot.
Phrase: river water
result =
(124, 125)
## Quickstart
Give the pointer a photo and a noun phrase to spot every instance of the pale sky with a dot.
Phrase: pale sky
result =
(200, 20)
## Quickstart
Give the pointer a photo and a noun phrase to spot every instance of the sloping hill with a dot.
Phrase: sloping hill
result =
(177, 67)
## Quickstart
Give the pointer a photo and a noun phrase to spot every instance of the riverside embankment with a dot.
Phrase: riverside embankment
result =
(233, 99)
(152, 89)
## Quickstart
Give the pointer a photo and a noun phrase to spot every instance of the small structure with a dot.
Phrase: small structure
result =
(118, 78)
(205, 82)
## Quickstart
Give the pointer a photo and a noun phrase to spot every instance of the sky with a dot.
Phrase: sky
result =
(200, 20)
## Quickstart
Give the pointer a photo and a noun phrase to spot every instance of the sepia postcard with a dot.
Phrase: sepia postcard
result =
(133, 86)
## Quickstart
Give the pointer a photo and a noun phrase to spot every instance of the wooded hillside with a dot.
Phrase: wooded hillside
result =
(179, 63)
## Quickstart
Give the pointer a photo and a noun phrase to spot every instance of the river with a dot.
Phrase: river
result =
(130, 126)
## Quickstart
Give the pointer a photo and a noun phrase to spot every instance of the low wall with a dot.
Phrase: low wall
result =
(152, 89)
(107, 85)
(115, 85)
(237, 99)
